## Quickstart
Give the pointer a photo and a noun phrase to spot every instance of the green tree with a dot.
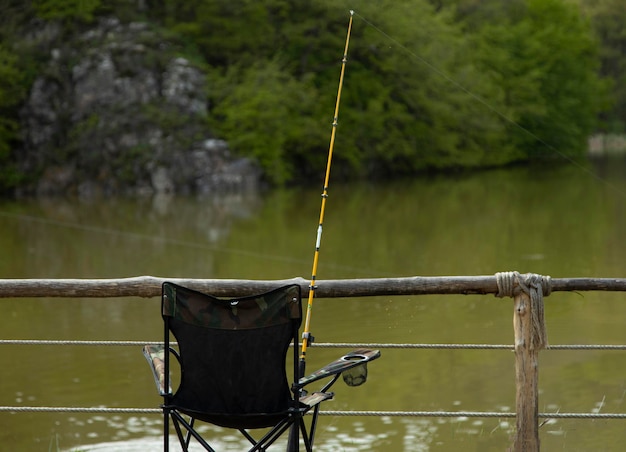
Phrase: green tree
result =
(426, 86)
(423, 90)
(401, 110)
(544, 59)
(225, 32)
(66, 10)
(262, 111)
(11, 94)
(607, 19)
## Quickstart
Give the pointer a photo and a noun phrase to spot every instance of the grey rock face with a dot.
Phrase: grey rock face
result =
(116, 111)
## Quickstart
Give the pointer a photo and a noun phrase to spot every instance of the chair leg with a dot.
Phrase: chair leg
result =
(313, 426)
(188, 439)
(308, 440)
(184, 443)
(166, 430)
(248, 436)
(270, 437)
(293, 445)
(178, 420)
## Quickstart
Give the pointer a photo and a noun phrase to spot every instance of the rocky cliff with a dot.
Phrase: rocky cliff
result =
(117, 110)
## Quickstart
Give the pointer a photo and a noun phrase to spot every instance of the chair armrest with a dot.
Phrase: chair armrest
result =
(155, 355)
(316, 398)
(348, 361)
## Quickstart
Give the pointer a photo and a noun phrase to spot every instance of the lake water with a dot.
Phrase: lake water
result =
(563, 222)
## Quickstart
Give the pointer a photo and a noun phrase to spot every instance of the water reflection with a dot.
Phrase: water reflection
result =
(53, 232)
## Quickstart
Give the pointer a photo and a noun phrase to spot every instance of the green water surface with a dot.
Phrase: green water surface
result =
(564, 222)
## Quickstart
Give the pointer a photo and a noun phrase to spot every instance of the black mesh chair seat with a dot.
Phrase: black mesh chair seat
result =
(232, 355)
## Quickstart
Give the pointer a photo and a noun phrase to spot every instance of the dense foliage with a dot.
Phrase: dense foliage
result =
(608, 18)
(429, 84)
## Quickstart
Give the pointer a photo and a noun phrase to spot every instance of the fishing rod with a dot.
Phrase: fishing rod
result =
(307, 338)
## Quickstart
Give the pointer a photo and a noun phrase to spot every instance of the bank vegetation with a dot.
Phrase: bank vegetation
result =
(430, 84)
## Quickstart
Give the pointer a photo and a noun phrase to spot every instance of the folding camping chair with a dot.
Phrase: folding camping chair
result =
(232, 355)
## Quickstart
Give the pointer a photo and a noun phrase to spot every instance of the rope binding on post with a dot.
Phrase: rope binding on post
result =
(536, 287)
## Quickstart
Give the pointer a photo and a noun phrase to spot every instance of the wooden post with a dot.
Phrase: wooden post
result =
(526, 377)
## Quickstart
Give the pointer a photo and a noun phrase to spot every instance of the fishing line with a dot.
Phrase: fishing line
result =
(485, 103)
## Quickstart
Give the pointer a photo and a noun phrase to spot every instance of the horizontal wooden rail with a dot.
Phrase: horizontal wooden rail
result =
(150, 286)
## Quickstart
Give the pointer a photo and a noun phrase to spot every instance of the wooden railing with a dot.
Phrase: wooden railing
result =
(526, 290)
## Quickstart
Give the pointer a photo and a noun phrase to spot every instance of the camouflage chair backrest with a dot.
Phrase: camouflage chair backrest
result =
(276, 307)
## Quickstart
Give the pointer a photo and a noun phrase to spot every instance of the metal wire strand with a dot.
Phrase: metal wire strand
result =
(450, 414)
(326, 345)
